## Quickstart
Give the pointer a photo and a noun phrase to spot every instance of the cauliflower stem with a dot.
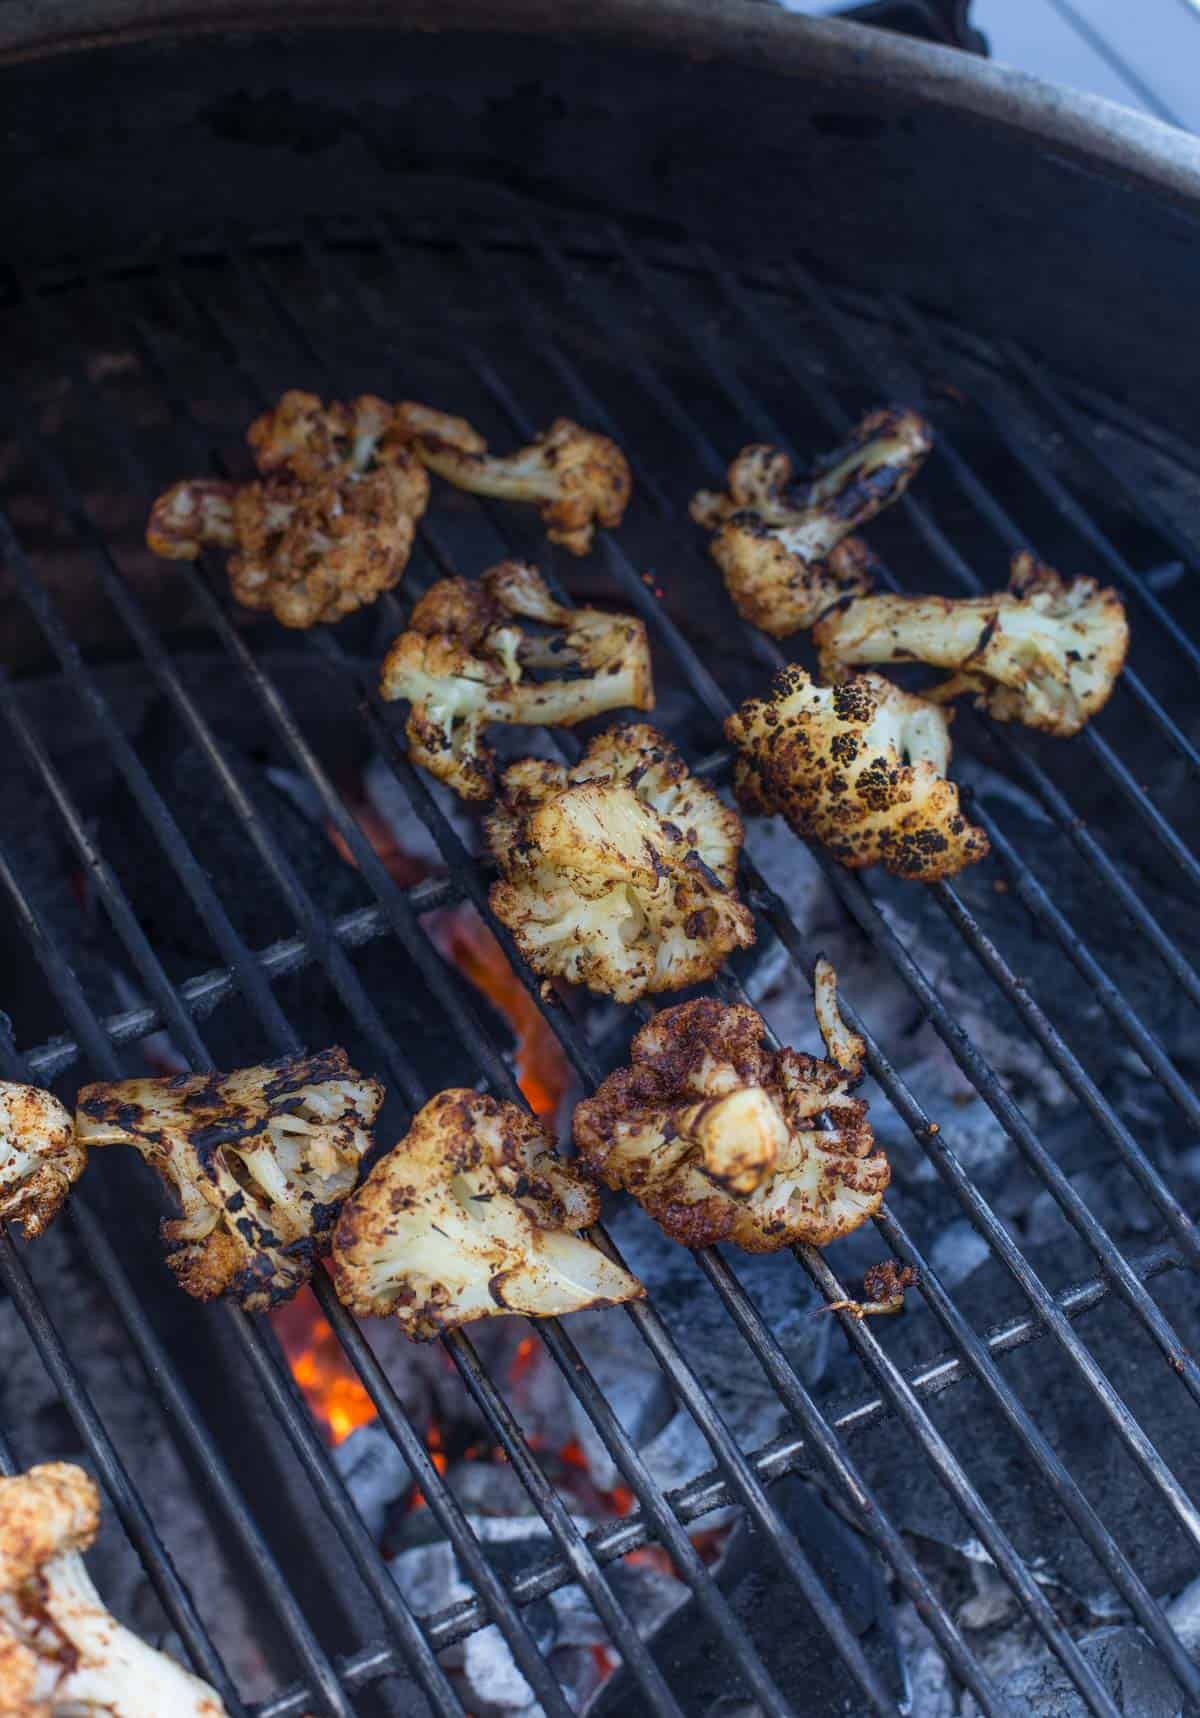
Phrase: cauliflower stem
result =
(1047, 651)
(577, 478)
(61, 1651)
(783, 544)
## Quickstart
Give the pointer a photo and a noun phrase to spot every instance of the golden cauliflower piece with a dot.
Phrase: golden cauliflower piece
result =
(326, 529)
(472, 1215)
(62, 1654)
(719, 1139)
(309, 440)
(464, 662)
(860, 767)
(621, 872)
(579, 479)
(40, 1158)
(260, 1159)
(1047, 651)
(784, 546)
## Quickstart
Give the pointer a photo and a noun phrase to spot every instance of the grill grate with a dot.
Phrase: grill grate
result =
(604, 315)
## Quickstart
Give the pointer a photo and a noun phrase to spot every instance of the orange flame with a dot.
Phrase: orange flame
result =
(541, 1066)
(335, 1396)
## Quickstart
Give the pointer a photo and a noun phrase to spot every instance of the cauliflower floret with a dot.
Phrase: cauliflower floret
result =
(784, 546)
(1047, 651)
(193, 515)
(621, 872)
(472, 1215)
(776, 581)
(309, 440)
(40, 1158)
(580, 478)
(62, 1654)
(330, 524)
(721, 1140)
(261, 1160)
(860, 767)
(462, 664)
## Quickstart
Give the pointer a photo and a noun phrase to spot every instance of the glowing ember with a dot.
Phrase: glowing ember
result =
(435, 1444)
(331, 1387)
(465, 939)
(541, 1066)
(522, 1359)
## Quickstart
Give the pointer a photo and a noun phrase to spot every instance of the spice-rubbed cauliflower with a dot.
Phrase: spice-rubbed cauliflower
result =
(784, 546)
(472, 1215)
(62, 1653)
(621, 872)
(310, 440)
(860, 767)
(579, 479)
(261, 1160)
(40, 1158)
(1047, 651)
(720, 1139)
(330, 524)
(463, 662)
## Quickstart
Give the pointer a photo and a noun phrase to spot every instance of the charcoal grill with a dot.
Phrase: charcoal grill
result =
(147, 363)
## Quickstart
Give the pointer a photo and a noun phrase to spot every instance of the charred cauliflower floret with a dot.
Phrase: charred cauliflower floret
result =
(310, 440)
(472, 1215)
(260, 1159)
(777, 582)
(578, 479)
(464, 662)
(783, 545)
(720, 1139)
(330, 524)
(860, 767)
(40, 1158)
(1047, 651)
(621, 872)
(62, 1653)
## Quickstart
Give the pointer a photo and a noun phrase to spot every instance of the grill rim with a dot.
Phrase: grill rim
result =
(1090, 1692)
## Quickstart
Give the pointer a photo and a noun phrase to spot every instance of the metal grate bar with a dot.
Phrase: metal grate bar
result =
(781, 350)
(445, 836)
(521, 426)
(252, 1342)
(1090, 1526)
(682, 1379)
(977, 1071)
(131, 1511)
(698, 674)
(357, 1540)
(916, 511)
(440, 1632)
(756, 1500)
(571, 1542)
(1068, 419)
(964, 1052)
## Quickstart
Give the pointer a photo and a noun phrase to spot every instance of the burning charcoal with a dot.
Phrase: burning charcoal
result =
(1041, 1373)
(374, 1472)
(958, 1250)
(725, 1365)
(635, 1388)
(1127, 1665)
(778, 1620)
